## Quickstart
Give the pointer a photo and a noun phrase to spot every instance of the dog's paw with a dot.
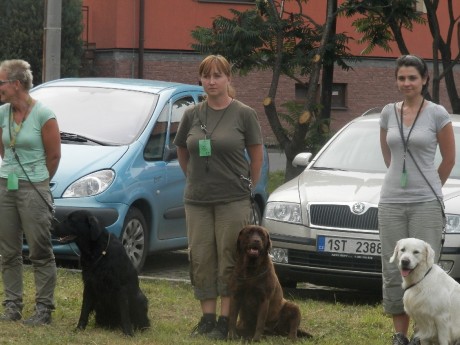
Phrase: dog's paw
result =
(232, 335)
(79, 328)
(128, 333)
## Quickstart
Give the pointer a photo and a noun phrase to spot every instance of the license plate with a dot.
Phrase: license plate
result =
(341, 245)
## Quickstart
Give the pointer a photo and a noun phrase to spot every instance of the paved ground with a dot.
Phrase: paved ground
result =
(173, 266)
(276, 160)
(168, 265)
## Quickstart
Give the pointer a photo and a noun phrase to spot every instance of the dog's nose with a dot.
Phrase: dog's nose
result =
(405, 262)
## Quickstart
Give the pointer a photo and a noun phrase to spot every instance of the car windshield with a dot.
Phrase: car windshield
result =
(357, 148)
(99, 115)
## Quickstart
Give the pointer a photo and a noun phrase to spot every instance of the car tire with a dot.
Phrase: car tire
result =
(256, 214)
(135, 237)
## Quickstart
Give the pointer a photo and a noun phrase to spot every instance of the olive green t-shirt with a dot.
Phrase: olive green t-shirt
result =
(216, 178)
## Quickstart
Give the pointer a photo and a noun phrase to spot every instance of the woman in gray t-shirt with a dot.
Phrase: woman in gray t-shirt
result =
(410, 132)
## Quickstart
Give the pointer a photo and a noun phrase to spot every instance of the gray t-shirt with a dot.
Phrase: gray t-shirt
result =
(422, 144)
(215, 179)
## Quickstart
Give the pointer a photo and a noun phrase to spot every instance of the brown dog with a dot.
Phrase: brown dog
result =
(256, 294)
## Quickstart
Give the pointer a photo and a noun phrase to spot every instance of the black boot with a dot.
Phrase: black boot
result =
(220, 332)
(12, 312)
(206, 325)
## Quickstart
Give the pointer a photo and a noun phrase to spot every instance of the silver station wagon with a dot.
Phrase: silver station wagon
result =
(323, 223)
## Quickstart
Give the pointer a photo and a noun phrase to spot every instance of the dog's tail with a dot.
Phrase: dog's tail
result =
(303, 334)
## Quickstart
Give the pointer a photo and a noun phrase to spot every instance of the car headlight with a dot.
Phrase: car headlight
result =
(453, 224)
(284, 212)
(91, 184)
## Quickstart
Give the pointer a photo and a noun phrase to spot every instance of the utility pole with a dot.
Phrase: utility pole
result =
(52, 40)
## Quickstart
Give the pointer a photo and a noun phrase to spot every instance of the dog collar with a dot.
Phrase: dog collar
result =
(419, 280)
(104, 252)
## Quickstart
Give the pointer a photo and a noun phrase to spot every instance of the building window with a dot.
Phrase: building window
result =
(301, 92)
(338, 99)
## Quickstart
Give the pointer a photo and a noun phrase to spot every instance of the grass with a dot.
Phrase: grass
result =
(331, 317)
(275, 179)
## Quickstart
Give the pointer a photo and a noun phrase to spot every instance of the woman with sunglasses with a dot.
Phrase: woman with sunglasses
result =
(30, 148)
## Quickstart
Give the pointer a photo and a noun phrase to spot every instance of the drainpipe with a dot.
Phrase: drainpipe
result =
(140, 72)
(51, 68)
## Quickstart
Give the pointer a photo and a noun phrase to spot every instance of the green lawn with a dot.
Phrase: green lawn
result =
(332, 318)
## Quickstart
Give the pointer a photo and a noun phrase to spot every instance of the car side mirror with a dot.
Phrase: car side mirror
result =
(301, 159)
(170, 154)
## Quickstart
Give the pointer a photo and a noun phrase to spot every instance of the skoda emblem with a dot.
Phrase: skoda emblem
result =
(358, 208)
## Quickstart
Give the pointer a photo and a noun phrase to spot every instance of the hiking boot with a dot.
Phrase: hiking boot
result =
(400, 339)
(42, 316)
(12, 312)
(206, 325)
(219, 332)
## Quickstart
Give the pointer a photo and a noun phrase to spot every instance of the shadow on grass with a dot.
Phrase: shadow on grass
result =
(344, 296)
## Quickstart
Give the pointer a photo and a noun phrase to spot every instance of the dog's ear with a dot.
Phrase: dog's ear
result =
(395, 253)
(429, 255)
(239, 240)
(94, 227)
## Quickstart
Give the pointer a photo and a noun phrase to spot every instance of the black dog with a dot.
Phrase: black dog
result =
(111, 284)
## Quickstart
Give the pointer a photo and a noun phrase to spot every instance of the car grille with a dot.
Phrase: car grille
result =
(341, 217)
(303, 258)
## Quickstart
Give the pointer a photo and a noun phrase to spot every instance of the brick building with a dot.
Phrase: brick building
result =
(112, 34)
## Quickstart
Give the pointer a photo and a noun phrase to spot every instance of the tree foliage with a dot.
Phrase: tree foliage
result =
(269, 37)
(383, 21)
(22, 28)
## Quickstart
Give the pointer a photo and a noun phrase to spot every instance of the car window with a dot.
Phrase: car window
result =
(111, 116)
(154, 149)
(156, 143)
(357, 148)
(178, 110)
(455, 173)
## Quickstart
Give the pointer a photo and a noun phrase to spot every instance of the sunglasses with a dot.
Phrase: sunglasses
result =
(2, 82)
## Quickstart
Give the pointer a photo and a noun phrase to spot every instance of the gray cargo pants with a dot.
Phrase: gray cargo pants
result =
(24, 212)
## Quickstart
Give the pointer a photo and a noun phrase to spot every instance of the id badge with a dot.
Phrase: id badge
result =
(404, 179)
(12, 182)
(205, 147)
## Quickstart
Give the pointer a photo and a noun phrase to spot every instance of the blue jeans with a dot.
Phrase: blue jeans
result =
(23, 212)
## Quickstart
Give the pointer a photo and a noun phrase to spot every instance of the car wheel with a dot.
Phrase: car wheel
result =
(135, 237)
(256, 214)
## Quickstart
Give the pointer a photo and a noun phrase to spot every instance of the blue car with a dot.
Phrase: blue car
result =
(119, 161)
